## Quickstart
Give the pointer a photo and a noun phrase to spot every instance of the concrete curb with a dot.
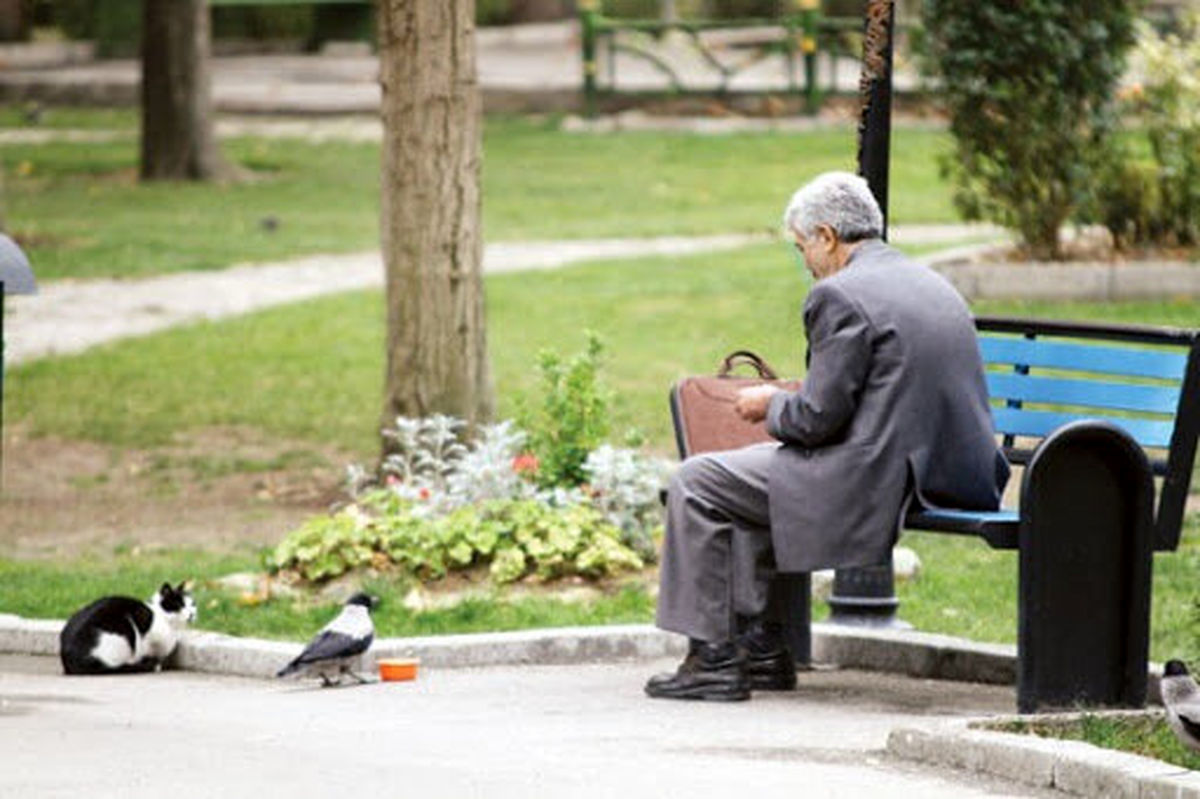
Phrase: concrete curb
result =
(1079, 281)
(904, 652)
(914, 654)
(1070, 766)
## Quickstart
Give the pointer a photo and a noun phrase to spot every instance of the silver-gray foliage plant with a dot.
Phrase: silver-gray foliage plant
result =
(434, 470)
(625, 487)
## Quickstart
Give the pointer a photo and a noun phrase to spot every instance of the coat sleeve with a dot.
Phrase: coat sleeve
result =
(839, 352)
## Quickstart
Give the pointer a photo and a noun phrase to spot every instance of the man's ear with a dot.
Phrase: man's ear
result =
(828, 237)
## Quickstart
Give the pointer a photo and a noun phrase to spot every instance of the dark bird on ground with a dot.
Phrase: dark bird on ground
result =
(338, 646)
(1181, 698)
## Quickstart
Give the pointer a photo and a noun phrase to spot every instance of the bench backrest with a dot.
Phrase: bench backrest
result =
(1146, 380)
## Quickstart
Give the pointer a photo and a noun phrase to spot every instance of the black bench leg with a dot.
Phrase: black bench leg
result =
(1086, 548)
(790, 602)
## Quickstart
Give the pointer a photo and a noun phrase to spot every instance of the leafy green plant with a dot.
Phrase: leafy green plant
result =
(512, 538)
(572, 419)
(1157, 201)
(1028, 87)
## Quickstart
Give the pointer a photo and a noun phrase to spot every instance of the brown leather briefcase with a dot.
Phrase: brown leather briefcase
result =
(702, 407)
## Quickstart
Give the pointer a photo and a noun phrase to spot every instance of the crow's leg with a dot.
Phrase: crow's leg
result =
(345, 669)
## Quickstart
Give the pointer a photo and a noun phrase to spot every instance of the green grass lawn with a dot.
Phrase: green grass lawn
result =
(1148, 736)
(80, 212)
(38, 589)
(311, 372)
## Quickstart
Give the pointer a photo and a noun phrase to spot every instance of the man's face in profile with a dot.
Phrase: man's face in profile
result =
(819, 251)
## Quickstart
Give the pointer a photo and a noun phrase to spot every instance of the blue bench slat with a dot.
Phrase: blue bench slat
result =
(1004, 515)
(1084, 357)
(1000, 528)
(1087, 393)
(1020, 422)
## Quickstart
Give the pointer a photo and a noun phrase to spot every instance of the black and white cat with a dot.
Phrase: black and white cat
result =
(121, 635)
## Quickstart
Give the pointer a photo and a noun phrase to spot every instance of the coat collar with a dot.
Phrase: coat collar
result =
(865, 250)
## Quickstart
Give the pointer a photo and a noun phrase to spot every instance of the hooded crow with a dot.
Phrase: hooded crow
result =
(1181, 697)
(339, 645)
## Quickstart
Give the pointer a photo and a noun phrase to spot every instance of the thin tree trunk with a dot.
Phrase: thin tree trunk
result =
(178, 142)
(430, 227)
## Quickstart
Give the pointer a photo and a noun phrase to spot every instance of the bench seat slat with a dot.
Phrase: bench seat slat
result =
(1020, 422)
(1083, 357)
(1086, 393)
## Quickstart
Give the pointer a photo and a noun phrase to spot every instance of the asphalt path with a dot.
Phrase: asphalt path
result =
(494, 732)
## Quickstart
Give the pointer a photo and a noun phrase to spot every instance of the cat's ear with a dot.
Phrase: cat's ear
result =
(166, 589)
(184, 587)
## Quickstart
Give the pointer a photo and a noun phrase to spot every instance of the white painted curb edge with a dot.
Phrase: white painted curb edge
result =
(1071, 766)
(905, 652)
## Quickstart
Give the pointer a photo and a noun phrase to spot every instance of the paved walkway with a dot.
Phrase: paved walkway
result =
(70, 316)
(578, 731)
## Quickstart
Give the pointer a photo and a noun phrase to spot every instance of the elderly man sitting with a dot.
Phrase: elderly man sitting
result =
(893, 410)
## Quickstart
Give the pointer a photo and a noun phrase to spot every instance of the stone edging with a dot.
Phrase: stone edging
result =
(1071, 766)
(904, 652)
(1102, 281)
(915, 654)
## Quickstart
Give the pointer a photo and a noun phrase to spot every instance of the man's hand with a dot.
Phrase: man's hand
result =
(751, 403)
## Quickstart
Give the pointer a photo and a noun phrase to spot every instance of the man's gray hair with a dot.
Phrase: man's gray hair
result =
(840, 200)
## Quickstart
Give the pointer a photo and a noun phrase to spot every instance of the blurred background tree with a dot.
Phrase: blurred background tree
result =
(1029, 90)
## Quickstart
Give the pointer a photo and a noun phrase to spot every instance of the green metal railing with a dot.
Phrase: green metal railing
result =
(800, 38)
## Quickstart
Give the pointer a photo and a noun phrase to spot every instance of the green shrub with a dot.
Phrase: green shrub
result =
(263, 23)
(572, 419)
(1128, 201)
(740, 9)
(1168, 108)
(1028, 87)
(493, 12)
(512, 538)
(630, 9)
(76, 18)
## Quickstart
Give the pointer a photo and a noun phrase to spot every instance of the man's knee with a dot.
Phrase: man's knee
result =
(694, 476)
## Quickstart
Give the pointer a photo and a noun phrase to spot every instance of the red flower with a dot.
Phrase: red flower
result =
(423, 493)
(391, 479)
(525, 463)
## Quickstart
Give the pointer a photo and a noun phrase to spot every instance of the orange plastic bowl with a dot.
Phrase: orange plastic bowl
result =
(398, 669)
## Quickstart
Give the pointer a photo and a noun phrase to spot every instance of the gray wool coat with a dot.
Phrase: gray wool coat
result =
(893, 409)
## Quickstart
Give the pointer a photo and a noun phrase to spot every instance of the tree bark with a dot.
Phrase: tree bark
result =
(14, 20)
(178, 141)
(430, 227)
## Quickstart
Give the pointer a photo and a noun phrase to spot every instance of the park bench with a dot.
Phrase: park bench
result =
(1098, 416)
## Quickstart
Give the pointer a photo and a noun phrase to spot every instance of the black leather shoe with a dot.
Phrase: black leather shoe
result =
(715, 672)
(769, 663)
(775, 671)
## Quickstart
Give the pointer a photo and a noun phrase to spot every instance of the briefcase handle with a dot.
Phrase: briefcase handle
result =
(748, 358)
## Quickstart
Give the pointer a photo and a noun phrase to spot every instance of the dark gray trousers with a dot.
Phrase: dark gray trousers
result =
(717, 560)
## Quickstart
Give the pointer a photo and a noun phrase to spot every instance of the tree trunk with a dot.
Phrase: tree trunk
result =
(430, 227)
(178, 142)
(14, 21)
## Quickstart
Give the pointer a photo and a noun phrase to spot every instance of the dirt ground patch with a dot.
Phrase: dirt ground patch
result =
(221, 490)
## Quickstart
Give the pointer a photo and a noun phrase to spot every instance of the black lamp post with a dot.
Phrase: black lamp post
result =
(867, 597)
(16, 277)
